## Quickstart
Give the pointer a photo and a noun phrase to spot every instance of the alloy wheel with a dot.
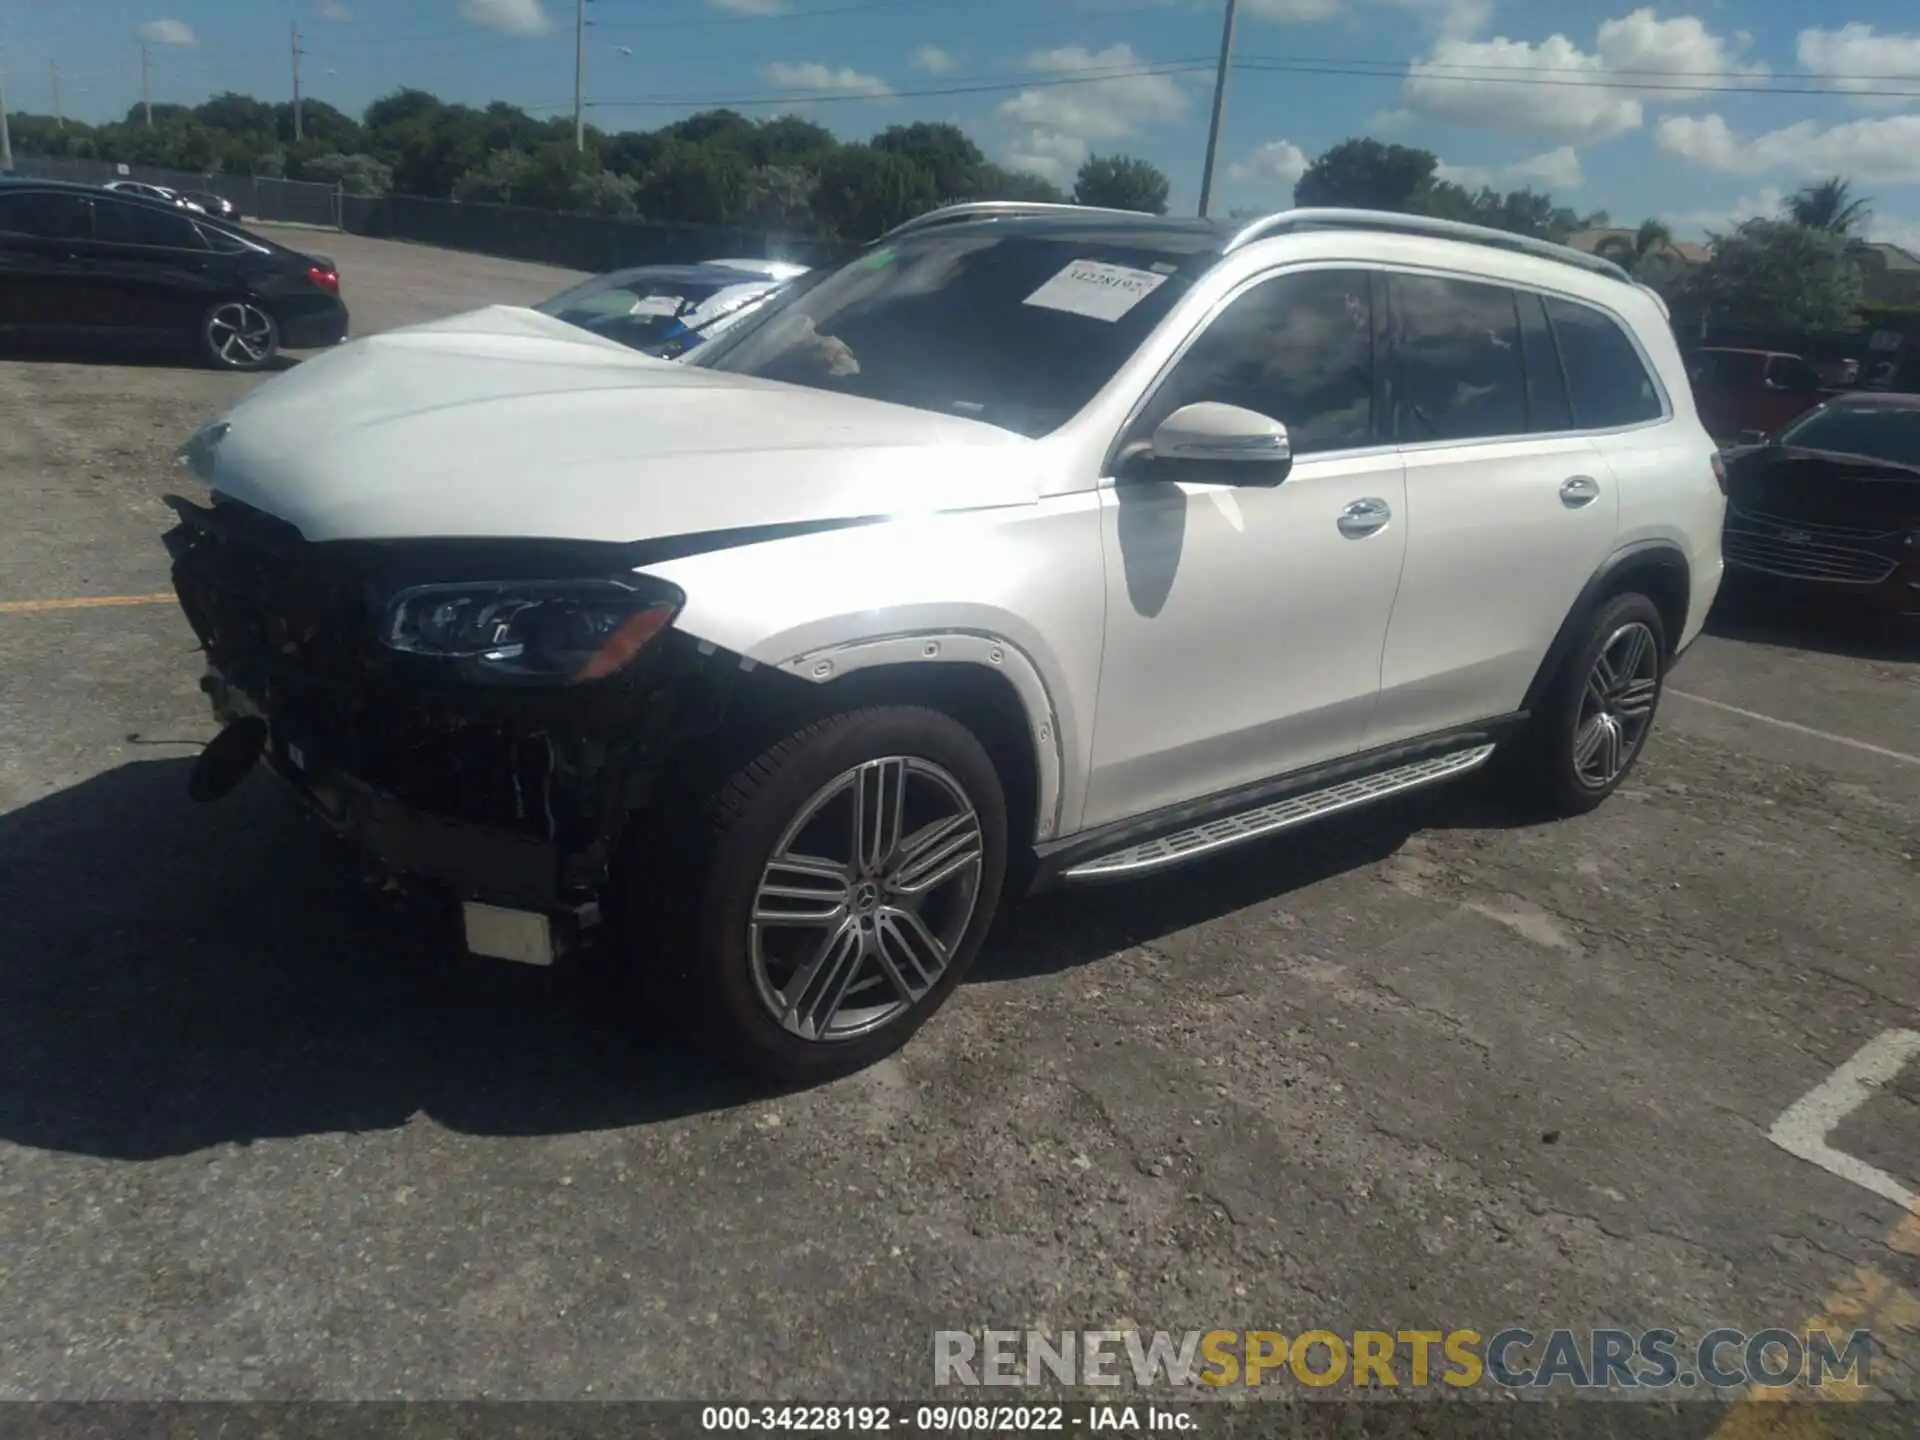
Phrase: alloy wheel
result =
(866, 898)
(240, 334)
(1616, 706)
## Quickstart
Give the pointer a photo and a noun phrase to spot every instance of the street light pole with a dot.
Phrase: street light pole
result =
(298, 133)
(6, 136)
(146, 83)
(1219, 108)
(59, 119)
(579, 74)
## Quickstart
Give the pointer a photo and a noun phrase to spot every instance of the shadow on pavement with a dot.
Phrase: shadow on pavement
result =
(1781, 618)
(175, 976)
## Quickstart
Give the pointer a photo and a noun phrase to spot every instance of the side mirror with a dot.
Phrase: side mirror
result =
(1254, 445)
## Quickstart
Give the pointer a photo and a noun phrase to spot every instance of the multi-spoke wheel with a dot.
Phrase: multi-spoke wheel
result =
(1599, 710)
(855, 867)
(239, 335)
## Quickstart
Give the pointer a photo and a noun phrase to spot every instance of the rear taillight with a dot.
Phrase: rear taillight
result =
(323, 277)
(1720, 473)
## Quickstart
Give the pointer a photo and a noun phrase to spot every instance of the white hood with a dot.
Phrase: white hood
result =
(509, 423)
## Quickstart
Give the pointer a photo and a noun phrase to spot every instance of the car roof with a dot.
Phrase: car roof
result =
(15, 183)
(1877, 400)
(1175, 234)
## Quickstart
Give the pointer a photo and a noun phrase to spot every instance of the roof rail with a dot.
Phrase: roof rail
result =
(991, 209)
(1392, 221)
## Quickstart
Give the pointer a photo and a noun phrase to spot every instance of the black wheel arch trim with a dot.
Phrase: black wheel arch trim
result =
(1642, 554)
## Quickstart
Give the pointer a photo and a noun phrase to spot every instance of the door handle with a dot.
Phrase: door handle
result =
(1579, 490)
(1364, 517)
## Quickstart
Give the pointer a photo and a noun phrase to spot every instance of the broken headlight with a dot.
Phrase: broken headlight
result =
(558, 632)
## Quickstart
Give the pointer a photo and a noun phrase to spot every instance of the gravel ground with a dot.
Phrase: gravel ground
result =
(1427, 1068)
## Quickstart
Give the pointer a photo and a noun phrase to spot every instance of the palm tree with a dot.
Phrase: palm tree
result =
(1830, 206)
(1652, 242)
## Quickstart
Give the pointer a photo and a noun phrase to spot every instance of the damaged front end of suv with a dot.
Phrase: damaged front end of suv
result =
(482, 715)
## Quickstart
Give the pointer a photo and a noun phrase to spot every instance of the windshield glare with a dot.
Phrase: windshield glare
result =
(1877, 431)
(646, 311)
(1020, 331)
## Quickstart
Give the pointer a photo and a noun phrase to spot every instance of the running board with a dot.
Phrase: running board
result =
(1213, 835)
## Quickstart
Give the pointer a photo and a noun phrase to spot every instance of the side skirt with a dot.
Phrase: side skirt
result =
(1187, 832)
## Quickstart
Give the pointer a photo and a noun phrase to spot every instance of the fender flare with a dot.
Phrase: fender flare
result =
(1640, 556)
(960, 647)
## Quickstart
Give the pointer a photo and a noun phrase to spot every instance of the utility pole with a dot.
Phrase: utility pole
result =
(146, 82)
(297, 130)
(1219, 108)
(59, 120)
(6, 136)
(580, 74)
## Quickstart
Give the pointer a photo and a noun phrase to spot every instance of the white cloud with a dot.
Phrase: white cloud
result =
(812, 75)
(752, 7)
(1718, 219)
(1556, 89)
(1456, 19)
(1470, 177)
(510, 17)
(1062, 123)
(1551, 93)
(935, 61)
(1854, 59)
(168, 32)
(333, 10)
(1556, 169)
(1904, 233)
(1641, 46)
(1885, 151)
(1278, 163)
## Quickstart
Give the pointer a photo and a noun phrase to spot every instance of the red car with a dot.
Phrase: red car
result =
(1744, 395)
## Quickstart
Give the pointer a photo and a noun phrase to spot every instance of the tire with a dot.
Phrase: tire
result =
(239, 335)
(743, 985)
(1565, 765)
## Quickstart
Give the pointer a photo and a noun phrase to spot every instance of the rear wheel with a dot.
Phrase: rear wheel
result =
(239, 335)
(853, 870)
(1598, 712)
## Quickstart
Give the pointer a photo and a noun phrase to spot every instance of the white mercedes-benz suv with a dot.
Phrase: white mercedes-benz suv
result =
(1033, 546)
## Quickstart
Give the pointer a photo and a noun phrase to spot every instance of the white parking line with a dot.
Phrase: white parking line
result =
(1803, 1130)
(1827, 735)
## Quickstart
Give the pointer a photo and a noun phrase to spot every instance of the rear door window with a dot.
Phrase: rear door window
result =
(120, 223)
(46, 215)
(1462, 372)
(1607, 378)
(1548, 407)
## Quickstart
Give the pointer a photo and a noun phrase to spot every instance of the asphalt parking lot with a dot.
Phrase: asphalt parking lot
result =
(1430, 1068)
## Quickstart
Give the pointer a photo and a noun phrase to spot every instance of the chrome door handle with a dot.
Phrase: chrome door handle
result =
(1364, 517)
(1579, 490)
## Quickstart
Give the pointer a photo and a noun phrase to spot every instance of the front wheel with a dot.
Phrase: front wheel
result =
(853, 872)
(239, 335)
(1598, 712)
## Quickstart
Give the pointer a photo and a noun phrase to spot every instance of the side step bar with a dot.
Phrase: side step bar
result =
(1228, 830)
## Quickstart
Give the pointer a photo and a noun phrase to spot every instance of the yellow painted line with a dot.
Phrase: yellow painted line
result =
(1866, 1300)
(81, 602)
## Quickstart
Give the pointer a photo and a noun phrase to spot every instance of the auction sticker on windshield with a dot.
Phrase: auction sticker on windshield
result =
(657, 305)
(1096, 289)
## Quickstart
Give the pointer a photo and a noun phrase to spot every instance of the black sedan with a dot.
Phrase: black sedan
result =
(79, 263)
(1831, 505)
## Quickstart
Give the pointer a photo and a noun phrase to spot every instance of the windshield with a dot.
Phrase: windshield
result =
(1018, 330)
(1881, 432)
(652, 311)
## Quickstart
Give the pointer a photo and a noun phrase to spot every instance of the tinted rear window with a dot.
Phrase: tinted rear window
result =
(45, 215)
(1461, 372)
(1608, 380)
(128, 224)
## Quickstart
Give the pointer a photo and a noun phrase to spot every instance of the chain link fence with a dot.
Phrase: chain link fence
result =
(258, 197)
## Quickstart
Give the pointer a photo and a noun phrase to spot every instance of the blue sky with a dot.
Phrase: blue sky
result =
(1605, 104)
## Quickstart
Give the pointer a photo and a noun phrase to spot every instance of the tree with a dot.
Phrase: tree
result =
(601, 192)
(1648, 249)
(942, 150)
(355, 174)
(1367, 174)
(694, 183)
(780, 197)
(991, 182)
(1830, 205)
(1121, 182)
(1774, 274)
(790, 140)
(866, 192)
(497, 181)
